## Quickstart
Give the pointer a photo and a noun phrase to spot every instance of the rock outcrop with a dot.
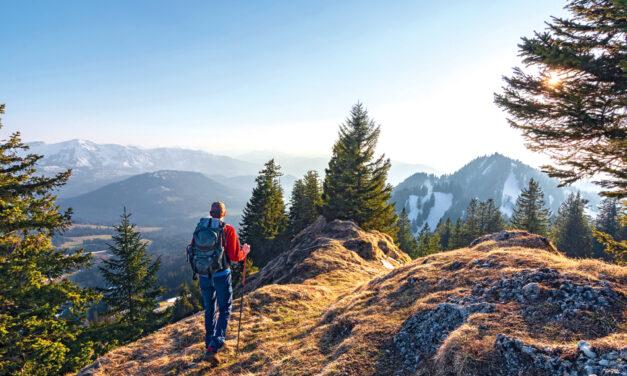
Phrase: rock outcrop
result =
(342, 301)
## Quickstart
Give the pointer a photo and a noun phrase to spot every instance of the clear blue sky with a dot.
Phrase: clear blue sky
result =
(235, 76)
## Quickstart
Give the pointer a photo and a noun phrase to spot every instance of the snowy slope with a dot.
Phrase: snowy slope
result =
(429, 198)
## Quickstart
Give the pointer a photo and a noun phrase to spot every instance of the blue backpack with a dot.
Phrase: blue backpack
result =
(206, 253)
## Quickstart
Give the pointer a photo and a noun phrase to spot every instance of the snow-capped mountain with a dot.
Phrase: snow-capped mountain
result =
(428, 198)
(95, 165)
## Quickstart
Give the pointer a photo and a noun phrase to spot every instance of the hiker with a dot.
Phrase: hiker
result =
(213, 248)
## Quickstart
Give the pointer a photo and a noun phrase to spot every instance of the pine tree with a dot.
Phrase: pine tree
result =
(490, 218)
(40, 309)
(570, 102)
(264, 221)
(608, 219)
(457, 235)
(444, 230)
(471, 228)
(480, 218)
(530, 214)
(183, 306)
(130, 275)
(428, 242)
(355, 186)
(405, 238)
(305, 202)
(572, 232)
(611, 230)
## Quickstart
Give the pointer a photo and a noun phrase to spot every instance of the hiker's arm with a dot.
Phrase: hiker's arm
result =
(233, 248)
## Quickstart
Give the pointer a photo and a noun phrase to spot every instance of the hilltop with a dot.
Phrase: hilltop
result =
(342, 301)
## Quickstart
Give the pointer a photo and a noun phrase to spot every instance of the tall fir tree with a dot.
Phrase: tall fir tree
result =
(490, 218)
(608, 219)
(355, 186)
(530, 213)
(480, 218)
(405, 239)
(570, 102)
(305, 202)
(572, 232)
(131, 276)
(471, 228)
(264, 221)
(445, 230)
(611, 230)
(457, 235)
(428, 242)
(40, 309)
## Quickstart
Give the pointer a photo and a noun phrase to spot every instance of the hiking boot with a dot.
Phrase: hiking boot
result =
(211, 356)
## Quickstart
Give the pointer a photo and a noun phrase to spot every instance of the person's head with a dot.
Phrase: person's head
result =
(218, 210)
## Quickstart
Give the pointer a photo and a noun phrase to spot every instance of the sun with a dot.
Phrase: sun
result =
(553, 79)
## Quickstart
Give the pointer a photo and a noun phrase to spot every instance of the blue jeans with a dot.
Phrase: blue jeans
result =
(218, 290)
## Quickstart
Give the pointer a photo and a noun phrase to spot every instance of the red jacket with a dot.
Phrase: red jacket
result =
(233, 248)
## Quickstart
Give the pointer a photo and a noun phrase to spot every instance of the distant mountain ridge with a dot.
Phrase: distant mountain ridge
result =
(428, 198)
(162, 198)
(95, 165)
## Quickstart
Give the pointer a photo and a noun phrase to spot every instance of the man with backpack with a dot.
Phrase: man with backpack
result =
(213, 248)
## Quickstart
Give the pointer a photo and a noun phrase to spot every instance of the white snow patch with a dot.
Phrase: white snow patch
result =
(511, 190)
(413, 212)
(443, 202)
(488, 168)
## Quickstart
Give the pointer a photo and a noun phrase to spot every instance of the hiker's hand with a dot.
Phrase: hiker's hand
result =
(246, 249)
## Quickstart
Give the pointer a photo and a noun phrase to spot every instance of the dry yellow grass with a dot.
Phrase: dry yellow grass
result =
(331, 306)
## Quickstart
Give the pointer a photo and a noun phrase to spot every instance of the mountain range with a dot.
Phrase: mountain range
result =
(173, 186)
(96, 165)
(428, 198)
(163, 198)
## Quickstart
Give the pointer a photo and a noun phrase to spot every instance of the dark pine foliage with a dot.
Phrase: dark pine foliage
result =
(570, 103)
(264, 221)
(530, 213)
(572, 231)
(40, 309)
(130, 275)
(608, 219)
(405, 239)
(305, 203)
(355, 186)
(611, 230)
(445, 229)
(428, 242)
(480, 218)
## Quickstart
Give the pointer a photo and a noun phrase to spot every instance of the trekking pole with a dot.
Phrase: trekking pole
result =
(241, 307)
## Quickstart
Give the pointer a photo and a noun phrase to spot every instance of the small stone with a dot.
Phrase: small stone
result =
(531, 290)
(604, 362)
(612, 355)
(585, 348)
